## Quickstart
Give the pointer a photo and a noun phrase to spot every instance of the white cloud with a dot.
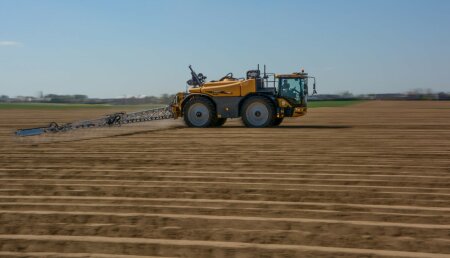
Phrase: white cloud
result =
(6, 43)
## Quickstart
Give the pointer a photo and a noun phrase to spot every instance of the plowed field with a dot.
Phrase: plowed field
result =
(368, 180)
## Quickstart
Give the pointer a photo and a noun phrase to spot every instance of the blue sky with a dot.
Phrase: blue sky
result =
(111, 48)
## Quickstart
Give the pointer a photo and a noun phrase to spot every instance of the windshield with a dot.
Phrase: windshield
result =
(292, 89)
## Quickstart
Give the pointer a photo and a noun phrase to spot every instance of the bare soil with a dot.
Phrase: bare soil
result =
(369, 180)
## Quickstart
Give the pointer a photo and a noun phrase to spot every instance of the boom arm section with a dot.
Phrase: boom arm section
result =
(115, 119)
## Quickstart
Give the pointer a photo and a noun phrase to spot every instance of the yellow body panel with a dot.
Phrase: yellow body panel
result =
(176, 104)
(299, 111)
(248, 86)
(218, 83)
(226, 88)
(195, 90)
(283, 103)
(231, 89)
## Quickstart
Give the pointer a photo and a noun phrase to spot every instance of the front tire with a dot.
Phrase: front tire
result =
(199, 112)
(258, 112)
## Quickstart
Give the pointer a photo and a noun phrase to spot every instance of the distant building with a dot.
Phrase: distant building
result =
(387, 96)
(24, 99)
(325, 97)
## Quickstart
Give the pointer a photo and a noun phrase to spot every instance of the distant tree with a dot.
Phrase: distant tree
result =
(443, 96)
(80, 97)
(347, 94)
(4, 98)
(421, 94)
(151, 99)
(164, 99)
(67, 98)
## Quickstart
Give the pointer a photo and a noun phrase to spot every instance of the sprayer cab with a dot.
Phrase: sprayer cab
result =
(294, 87)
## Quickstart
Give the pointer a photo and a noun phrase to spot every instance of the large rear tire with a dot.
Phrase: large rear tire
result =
(277, 121)
(258, 112)
(199, 112)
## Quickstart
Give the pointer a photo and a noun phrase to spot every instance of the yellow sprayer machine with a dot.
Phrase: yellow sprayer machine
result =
(261, 99)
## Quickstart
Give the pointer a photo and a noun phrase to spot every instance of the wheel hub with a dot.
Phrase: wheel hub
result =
(198, 114)
(257, 114)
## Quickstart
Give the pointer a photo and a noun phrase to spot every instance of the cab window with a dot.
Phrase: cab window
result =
(292, 89)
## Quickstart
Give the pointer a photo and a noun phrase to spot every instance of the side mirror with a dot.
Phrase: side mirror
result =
(314, 88)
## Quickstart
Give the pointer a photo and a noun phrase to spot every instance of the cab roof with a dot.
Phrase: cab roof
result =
(292, 75)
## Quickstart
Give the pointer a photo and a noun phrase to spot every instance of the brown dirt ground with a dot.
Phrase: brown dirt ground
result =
(369, 180)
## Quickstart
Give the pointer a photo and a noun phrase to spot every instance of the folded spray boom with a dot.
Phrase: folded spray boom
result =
(115, 119)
